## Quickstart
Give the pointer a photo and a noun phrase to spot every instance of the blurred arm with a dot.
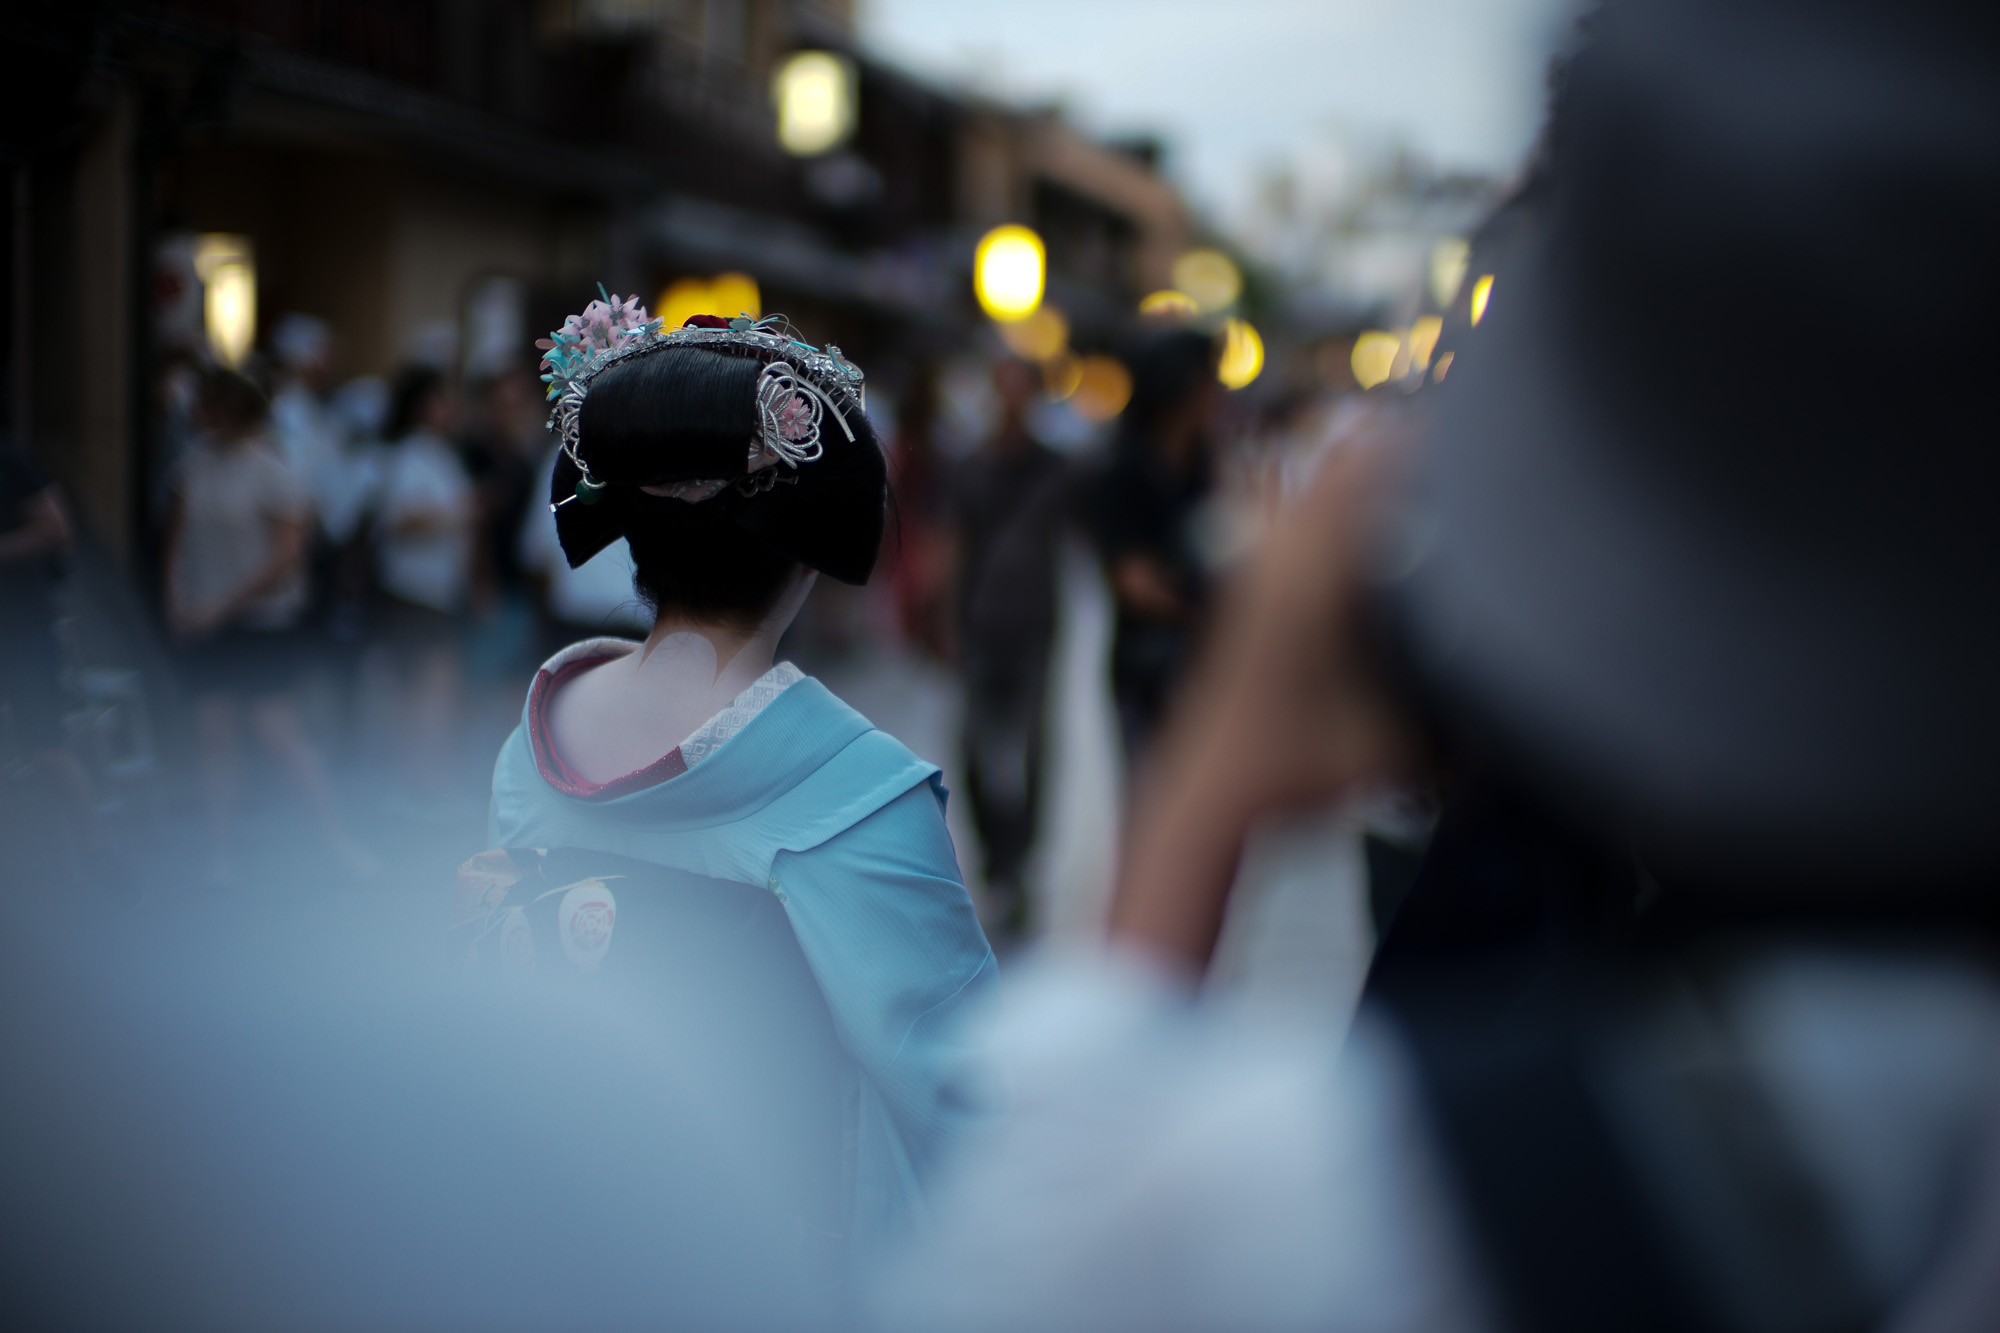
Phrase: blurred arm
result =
(1279, 715)
(288, 550)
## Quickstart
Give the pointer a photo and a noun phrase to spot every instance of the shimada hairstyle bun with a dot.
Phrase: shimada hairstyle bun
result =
(753, 446)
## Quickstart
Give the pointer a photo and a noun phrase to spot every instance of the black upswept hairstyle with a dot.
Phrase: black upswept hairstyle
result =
(689, 414)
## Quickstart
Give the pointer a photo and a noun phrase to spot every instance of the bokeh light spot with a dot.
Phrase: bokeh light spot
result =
(1062, 375)
(1103, 388)
(734, 294)
(1242, 354)
(1169, 304)
(1210, 277)
(1424, 340)
(1482, 292)
(1007, 272)
(1374, 357)
(1448, 260)
(1041, 336)
(726, 294)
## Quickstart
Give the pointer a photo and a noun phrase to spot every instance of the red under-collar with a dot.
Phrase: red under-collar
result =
(559, 774)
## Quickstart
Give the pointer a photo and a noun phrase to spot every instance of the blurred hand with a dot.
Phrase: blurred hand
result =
(1280, 713)
(188, 625)
(1145, 589)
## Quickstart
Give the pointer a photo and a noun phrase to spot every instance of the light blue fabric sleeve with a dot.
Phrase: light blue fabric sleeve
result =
(891, 935)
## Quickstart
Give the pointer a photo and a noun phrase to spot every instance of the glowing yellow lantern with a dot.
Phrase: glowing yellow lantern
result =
(1007, 272)
(228, 276)
(813, 92)
(1242, 354)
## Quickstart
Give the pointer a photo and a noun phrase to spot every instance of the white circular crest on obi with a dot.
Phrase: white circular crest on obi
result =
(584, 921)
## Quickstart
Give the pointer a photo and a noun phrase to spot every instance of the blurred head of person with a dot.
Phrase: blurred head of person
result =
(1728, 593)
(303, 347)
(1174, 396)
(230, 406)
(515, 410)
(419, 401)
(684, 421)
(362, 407)
(1016, 384)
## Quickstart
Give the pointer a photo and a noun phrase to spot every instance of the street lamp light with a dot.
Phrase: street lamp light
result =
(1007, 271)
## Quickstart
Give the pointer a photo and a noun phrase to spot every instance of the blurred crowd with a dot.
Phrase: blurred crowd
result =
(356, 576)
(361, 545)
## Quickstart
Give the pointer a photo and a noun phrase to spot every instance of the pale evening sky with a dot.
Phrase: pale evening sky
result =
(1235, 86)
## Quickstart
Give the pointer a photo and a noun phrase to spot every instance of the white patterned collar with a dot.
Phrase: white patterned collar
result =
(711, 735)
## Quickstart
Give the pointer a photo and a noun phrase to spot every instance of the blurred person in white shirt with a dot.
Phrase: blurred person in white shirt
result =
(423, 561)
(302, 422)
(235, 595)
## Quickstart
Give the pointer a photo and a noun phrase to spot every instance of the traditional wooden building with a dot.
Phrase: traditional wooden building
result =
(407, 169)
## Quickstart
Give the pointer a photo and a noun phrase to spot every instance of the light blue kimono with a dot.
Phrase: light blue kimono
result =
(846, 827)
